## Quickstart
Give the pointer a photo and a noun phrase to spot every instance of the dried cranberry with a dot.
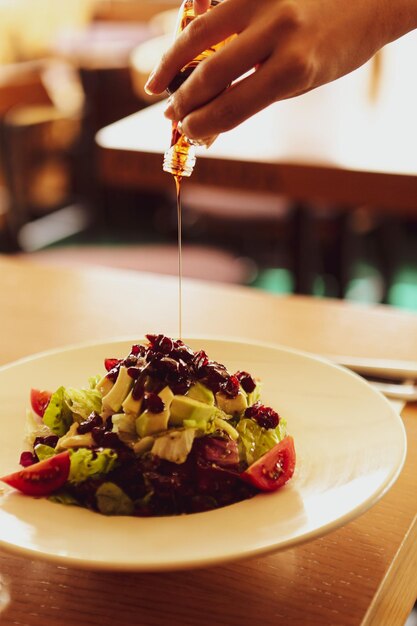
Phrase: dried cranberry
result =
(164, 366)
(97, 433)
(181, 351)
(134, 372)
(110, 440)
(165, 345)
(109, 364)
(246, 380)
(27, 458)
(161, 343)
(180, 387)
(105, 438)
(94, 420)
(152, 339)
(138, 350)
(200, 360)
(263, 415)
(215, 376)
(232, 387)
(139, 386)
(130, 361)
(154, 403)
(113, 374)
(169, 364)
(108, 424)
(50, 440)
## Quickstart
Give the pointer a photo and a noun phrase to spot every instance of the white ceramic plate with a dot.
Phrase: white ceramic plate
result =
(350, 447)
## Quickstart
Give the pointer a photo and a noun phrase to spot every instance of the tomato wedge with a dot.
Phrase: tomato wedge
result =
(39, 401)
(43, 478)
(274, 468)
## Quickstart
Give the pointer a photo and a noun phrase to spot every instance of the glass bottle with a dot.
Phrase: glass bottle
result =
(180, 159)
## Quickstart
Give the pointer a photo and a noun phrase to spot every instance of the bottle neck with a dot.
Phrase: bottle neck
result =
(179, 159)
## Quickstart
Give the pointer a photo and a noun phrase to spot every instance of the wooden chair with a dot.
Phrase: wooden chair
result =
(40, 123)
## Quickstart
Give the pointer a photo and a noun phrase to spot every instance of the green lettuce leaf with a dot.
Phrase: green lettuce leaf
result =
(94, 380)
(63, 497)
(255, 441)
(86, 464)
(44, 452)
(57, 415)
(255, 395)
(82, 402)
(111, 500)
(35, 427)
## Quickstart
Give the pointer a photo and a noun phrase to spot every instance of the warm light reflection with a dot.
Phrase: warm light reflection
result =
(334, 503)
(14, 530)
(28, 27)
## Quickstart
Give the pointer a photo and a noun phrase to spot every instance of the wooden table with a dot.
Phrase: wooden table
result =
(363, 574)
(349, 143)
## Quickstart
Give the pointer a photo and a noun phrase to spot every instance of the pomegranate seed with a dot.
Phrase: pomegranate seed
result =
(263, 415)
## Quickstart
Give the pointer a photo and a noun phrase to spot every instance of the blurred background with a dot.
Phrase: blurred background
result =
(69, 69)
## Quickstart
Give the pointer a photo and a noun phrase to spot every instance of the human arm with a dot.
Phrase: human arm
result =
(295, 46)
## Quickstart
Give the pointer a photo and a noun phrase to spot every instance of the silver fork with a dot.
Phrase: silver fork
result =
(394, 379)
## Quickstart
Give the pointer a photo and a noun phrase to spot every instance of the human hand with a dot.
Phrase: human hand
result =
(201, 6)
(294, 47)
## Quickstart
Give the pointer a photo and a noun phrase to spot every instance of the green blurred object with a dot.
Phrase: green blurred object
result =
(403, 291)
(275, 280)
(366, 283)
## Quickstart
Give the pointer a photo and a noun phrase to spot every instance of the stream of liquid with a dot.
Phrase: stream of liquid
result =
(179, 220)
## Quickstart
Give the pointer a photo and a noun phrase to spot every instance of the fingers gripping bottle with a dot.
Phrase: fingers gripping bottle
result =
(180, 158)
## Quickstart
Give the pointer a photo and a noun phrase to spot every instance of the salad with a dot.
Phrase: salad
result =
(165, 431)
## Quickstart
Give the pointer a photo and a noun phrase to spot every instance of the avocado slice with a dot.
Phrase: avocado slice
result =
(232, 406)
(186, 408)
(132, 406)
(150, 423)
(112, 401)
(201, 393)
(104, 385)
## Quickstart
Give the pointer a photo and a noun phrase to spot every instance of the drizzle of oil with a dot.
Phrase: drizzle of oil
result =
(179, 219)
